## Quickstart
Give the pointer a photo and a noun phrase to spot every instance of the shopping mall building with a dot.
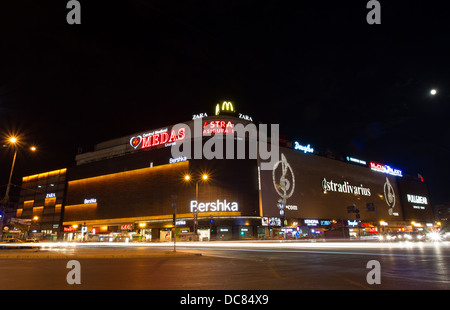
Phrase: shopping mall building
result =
(215, 177)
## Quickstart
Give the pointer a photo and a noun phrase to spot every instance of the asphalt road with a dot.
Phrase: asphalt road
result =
(211, 266)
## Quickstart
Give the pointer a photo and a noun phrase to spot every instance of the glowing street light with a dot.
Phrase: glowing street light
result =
(204, 177)
(14, 141)
(433, 92)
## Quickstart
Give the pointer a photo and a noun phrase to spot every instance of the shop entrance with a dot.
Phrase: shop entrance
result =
(224, 233)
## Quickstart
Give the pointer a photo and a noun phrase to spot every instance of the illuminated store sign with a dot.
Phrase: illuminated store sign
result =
(69, 228)
(92, 200)
(200, 115)
(325, 222)
(177, 160)
(218, 127)
(292, 207)
(50, 195)
(352, 223)
(304, 149)
(356, 160)
(330, 186)
(245, 117)
(157, 137)
(215, 206)
(417, 199)
(225, 106)
(385, 169)
(311, 222)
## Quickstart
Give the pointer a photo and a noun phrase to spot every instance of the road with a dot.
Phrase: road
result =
(229, 266)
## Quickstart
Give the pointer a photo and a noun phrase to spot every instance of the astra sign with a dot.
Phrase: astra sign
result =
(385, 169)
(157, 137)
(218, 126)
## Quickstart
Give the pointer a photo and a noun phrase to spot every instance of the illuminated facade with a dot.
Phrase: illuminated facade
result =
(41, 200)
(127, 189)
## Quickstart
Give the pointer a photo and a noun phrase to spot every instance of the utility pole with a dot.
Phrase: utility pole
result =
(6, 199)
(174, 206)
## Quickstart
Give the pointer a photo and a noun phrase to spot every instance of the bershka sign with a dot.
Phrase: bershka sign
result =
(330, 186)
(214, 206)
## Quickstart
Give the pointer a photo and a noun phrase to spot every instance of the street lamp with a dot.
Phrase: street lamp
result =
(204, 177)
(14, 143)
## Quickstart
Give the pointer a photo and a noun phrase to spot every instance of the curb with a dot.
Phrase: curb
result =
(40, 255)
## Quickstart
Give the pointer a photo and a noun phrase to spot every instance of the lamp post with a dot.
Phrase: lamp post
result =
(174, 206)
(13, 141)
(204, 177)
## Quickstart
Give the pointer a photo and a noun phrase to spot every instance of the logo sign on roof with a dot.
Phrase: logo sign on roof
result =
(218, 126)
(157, 137)
(226, 106)
(304, 149)
(385, 169)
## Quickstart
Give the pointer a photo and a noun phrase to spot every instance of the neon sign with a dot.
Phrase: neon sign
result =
(311, 222)
(356, 160)
(50, 195)
(352, 223)
(200, 115)
(226, 106)
(218, 127)
(69, 228)
(157, 137)
(417, 199)
(305, 149)
(385, 169)
(177, 160)
(215, 206)
(245, 117)
(92, 200)
(345, 187)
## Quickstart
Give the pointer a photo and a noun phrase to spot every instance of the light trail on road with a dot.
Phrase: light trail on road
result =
(256, 245)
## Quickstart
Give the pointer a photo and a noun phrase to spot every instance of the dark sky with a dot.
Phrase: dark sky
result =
(315, 67)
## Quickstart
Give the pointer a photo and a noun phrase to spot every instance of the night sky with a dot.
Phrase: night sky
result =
(315, 67)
